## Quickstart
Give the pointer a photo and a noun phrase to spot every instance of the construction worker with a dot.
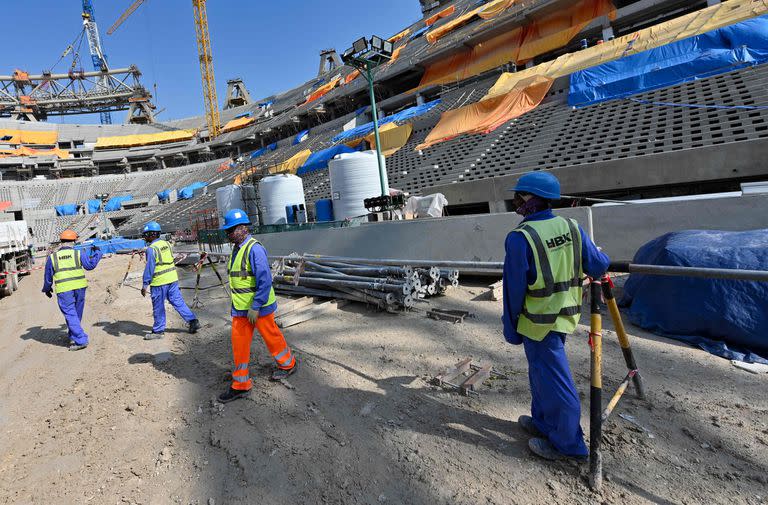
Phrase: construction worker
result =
(253, 306)
(162, 279)
(65, 275)
(546, 257)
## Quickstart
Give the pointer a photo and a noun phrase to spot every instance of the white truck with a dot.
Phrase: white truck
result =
(14, 254)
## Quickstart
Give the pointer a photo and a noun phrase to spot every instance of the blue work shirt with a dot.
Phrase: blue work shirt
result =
(89, 262)
(149, 270)
(260, 269)
(520, 272)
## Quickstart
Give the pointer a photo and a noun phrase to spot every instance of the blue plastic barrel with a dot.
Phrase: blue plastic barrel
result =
(324, 210)
(290, 214)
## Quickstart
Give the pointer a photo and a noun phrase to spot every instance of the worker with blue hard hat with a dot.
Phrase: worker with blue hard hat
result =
(65, 275)
(253, 306)
(546, 259)
(162, 279)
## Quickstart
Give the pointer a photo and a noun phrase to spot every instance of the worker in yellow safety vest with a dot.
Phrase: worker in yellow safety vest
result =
(546, 258)
(253, 307)
(65, 275)
(162, 279)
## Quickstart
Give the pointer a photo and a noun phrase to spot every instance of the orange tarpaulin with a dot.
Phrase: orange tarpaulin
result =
(237, 124)
(323, 90)
(520, 44)
(396, 53)
(486, 11)
(292, 164)
(397, 38)
(442, 14)
(487, 115)
(351, 77)
(28, 151)
(45, 138)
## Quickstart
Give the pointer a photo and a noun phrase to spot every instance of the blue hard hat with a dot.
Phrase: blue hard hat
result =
(235, 217)
(151, 226)
(542, 184)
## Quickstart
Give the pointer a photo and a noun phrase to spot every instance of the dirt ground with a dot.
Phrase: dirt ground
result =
(132, 421)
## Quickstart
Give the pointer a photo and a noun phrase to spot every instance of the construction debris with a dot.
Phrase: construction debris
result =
(454, 316)
(466, 377)
(302, 313)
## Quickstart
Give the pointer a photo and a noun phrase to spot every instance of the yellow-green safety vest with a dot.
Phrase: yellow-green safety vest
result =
(165, 268)
(68, 271)
(553, 302)
(242, 282)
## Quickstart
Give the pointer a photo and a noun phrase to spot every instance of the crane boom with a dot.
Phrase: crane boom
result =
(98, 57)
(130, 10)
(206, 68)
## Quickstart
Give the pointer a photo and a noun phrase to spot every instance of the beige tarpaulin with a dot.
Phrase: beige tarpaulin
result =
(487, 115)
(393, 138)
(711, 18)
(291, 164)
(487, 11)
(144, 139)
(237, 124)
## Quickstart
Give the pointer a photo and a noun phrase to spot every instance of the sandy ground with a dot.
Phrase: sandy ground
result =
(130, 421)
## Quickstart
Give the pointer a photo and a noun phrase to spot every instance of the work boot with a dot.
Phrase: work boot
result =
(194, 325)
(279, 374)
(233, 394)
(544, 449)
(526, 422)
(77, 347)
(154, 336)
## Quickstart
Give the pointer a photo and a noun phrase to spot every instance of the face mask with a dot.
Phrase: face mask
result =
(533, 205)
(238, 235)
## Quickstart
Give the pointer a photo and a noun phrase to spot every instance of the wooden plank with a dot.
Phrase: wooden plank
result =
(497, 291)
(450, 374)
(291, 305)
(312, 312)
(476, 380)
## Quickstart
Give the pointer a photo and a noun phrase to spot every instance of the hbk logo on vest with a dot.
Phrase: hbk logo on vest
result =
(558, 241)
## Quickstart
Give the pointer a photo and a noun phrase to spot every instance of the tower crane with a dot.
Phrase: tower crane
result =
(206, 60)
(98, 57)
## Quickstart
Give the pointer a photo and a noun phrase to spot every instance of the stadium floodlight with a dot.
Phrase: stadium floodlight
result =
(365, 56)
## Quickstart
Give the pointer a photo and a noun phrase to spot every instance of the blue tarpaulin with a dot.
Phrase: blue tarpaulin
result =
(403, 115)
(704, 55)
(114, 245)
(301, 137)
(724, 317)
(418, 33)
(94, 206)
(69, 209)
(187, 192)
(263, 150)
(116, 202)
(164, 195)
(320, 159)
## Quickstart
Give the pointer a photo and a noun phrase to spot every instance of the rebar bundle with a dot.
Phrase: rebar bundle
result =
(388, 287)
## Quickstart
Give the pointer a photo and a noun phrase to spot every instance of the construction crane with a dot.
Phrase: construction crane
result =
(206, 60)
(98, 57)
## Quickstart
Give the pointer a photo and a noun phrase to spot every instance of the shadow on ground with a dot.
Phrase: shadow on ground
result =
(58, 336)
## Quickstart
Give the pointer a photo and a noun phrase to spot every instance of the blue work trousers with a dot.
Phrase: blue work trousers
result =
(71, 304)
(555, 405)
(172, 293)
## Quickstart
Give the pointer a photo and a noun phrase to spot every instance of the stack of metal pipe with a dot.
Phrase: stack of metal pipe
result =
(388, 287)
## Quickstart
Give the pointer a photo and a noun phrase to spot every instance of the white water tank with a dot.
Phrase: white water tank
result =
(277, 191)
(237, 197)
(355, 177)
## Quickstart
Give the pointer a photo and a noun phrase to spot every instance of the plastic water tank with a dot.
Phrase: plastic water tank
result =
(228, 198)
(355, 177)
(324, 210)
(277, 191)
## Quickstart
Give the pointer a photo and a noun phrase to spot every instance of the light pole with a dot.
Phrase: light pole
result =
(365, 55)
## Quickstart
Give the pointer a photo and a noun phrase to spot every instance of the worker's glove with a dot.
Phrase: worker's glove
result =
(49, 294)
(253, 316)
(144, 291)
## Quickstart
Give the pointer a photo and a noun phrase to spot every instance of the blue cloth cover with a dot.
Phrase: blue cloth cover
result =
(115, 203)
(263, 150)
(301, 137)
(187, 192)
(403, 115)
(69, 209)
(418, 33)
(320, 159)
(704, 55)
(724, 317)
(164, 195)
(114, 245)
(93, 206)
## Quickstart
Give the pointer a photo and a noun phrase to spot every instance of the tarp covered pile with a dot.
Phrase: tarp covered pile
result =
(116, 203)
(69, 209)
(188, 192)
(724, 317)
(114, 245)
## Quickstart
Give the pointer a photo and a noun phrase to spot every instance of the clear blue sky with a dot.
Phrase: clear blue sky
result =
(272, 45)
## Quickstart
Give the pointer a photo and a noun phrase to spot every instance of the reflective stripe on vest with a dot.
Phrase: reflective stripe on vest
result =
(165, 268)
(553, 302)
(242, 282)
(68, 272)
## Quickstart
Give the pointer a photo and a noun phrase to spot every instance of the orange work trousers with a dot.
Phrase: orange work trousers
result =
(242, 336)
